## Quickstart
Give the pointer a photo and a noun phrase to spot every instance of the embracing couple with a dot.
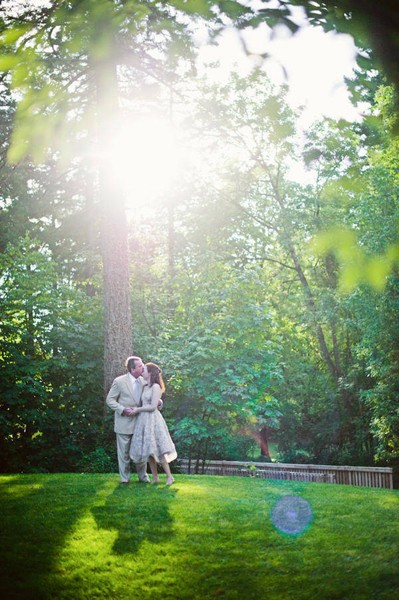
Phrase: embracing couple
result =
(142, 435)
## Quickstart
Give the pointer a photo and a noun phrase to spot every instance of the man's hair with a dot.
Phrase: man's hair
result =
(131, 362)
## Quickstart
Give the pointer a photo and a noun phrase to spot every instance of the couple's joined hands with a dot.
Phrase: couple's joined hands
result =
(129, 411)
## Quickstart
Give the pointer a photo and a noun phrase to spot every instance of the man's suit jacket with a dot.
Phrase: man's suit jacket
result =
(119, 397)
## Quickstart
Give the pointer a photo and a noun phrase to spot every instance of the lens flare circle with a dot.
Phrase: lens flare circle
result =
(292, 515)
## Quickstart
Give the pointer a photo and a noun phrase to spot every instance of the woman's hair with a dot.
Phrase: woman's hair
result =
(155, 375)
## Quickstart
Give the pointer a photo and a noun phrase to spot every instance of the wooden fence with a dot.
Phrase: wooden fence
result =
(376, 477)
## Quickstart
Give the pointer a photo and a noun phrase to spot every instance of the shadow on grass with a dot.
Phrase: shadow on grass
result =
(139, 514)
(38, 512)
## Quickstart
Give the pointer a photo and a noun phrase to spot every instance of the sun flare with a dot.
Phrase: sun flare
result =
(145, 157)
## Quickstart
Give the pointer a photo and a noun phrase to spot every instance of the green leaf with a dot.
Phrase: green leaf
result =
(194, 7)
(8, 62)
(11, 35)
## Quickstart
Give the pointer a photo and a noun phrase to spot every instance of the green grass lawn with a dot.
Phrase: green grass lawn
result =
(84, 536)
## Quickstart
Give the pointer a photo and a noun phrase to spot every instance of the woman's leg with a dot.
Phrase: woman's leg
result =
(166, 468)
(154, 469)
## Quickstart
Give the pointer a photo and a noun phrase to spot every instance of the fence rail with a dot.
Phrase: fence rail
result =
(375, 477)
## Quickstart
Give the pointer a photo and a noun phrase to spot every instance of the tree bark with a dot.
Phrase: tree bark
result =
(263, 443)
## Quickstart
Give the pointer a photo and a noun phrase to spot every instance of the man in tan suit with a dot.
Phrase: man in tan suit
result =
(125, 393)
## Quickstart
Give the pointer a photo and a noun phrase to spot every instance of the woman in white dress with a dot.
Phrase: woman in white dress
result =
(151, 441)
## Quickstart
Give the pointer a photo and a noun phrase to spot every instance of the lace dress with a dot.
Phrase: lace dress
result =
(151, 435)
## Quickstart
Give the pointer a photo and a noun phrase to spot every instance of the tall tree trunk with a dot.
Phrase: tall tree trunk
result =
(263, 443)
(171, 241)
(309, 299)
(325, 353)
(115, 251)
